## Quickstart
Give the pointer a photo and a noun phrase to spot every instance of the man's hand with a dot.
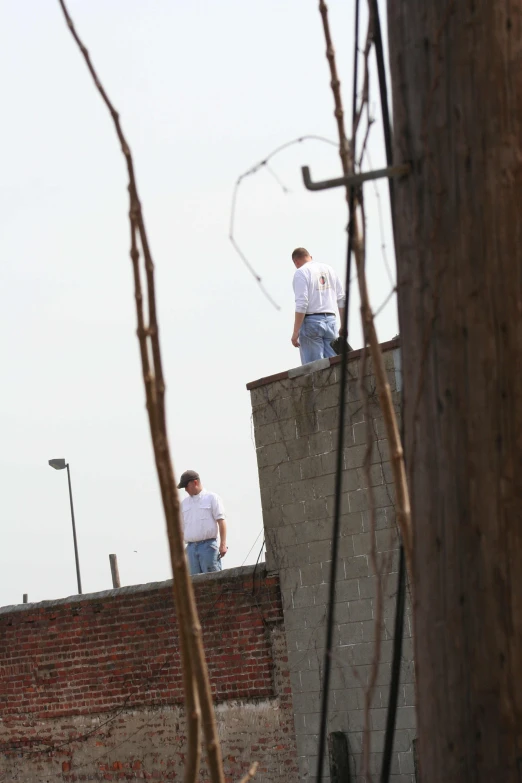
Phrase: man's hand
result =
(298, 322)
(223, 548)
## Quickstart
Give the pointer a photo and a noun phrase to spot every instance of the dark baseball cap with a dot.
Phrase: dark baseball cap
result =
(188, 475)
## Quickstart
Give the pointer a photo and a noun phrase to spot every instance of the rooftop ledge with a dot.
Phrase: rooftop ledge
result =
(320, 364)
(227, 574)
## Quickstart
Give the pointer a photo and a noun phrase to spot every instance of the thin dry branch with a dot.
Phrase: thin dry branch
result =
(371, 340)
(335, 84)
(365, 94)
(193, 715)
(382, 385)
(250, 774)
(365, 140)
(194, 664)
(192, 710)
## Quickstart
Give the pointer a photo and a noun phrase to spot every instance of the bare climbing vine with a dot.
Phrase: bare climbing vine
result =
(347, 152)
(198, 696)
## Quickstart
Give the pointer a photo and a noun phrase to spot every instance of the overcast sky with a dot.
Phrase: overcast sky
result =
(205, 90)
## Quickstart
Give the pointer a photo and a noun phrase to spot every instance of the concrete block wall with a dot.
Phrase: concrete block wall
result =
(295, 417)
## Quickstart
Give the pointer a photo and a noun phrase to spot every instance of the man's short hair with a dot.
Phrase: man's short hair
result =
(300, 252)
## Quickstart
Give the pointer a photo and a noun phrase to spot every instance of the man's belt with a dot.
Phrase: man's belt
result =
(308, 314)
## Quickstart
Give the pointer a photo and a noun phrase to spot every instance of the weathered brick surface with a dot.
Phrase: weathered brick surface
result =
(90, 687)
(298, 504)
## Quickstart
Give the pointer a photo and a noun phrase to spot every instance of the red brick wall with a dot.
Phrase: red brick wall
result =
(92, 655)
(117, 653)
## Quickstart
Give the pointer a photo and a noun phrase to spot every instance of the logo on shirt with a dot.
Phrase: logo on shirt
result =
(324, 283)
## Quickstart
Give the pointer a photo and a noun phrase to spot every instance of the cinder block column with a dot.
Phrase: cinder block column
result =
(296, 420)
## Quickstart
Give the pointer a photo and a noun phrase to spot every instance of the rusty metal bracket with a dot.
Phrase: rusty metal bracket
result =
(354, 179)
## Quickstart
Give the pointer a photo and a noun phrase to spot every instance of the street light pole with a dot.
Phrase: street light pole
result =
(60, 464)
(78, 577)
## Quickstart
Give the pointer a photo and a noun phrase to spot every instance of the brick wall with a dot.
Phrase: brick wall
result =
(90, 687)
(296, 423)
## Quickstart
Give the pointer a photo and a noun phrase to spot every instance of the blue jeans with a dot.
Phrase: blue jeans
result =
(315, 336)
(203, 556)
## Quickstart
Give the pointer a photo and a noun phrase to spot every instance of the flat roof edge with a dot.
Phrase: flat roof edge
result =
(390, 345)
(227, 574)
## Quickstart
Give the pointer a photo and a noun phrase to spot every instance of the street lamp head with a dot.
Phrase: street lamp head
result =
(58, 464)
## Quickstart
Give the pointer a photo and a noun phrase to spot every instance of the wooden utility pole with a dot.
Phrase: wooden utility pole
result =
(456, 71)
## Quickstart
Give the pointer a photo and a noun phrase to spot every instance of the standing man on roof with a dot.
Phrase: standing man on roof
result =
(203, 516)
(318, 295)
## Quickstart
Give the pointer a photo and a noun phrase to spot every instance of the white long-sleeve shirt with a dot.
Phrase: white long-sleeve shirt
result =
(317, 289)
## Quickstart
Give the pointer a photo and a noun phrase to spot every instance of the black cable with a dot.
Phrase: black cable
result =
(340, 440)
(401, 586)
(395, 672)
(255, 567)
(381, 70)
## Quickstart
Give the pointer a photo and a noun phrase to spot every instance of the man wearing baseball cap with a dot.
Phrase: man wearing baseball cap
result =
(203, 516)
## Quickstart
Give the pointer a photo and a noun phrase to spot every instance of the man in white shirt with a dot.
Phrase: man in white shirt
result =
(203, 516)
(318, 295)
